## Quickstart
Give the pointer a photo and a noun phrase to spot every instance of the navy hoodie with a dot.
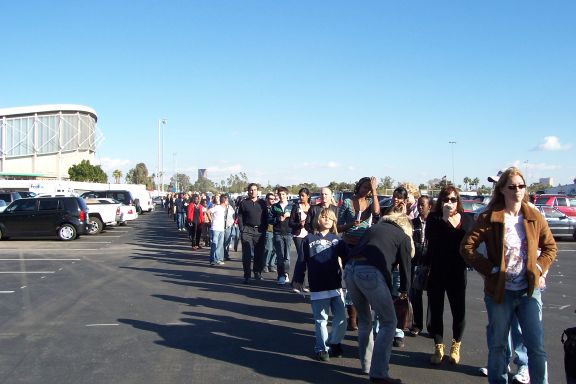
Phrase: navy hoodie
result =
(320, 257)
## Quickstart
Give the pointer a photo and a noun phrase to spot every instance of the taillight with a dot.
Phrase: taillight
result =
(118, 211)
(82, 215)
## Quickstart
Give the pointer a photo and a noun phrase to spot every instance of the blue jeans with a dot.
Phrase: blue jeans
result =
(516, 343)
(180, 220)
(269, 253)
(216, 246)
(282, 244)
(369, 290)
(528, 310)
(321, 309)
(227, 240)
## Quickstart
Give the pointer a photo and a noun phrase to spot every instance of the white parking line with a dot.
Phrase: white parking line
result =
(40, 259)
(96, 242)
(25, 272)
(101, 325)
(7, 291)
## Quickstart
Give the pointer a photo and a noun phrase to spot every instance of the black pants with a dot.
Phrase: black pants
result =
(455, 288)
(252, 250)
(194, 233)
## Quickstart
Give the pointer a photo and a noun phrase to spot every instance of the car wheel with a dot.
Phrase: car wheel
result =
(67, 232)
(1, 234)
(95, 225)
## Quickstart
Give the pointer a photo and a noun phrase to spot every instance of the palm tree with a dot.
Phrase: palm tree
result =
(466, 182)
(117, 175)
(475, 182)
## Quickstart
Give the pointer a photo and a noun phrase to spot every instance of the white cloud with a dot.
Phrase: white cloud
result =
(552, 143)
(316, 165)
(109, 165)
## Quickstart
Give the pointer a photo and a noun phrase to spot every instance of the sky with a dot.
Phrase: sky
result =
(294, 91)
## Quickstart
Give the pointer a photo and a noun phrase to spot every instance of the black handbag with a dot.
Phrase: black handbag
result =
(569, 340)
(420, 281)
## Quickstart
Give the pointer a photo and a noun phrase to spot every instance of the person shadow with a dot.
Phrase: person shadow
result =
(256, 337)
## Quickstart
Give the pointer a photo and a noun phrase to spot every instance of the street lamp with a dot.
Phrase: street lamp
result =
(452, 146)
(175, 174)
(160, 175)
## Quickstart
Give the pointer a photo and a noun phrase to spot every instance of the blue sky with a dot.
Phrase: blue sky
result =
(307, 91)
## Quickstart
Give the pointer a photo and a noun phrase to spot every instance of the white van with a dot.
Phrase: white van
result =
(142, 200)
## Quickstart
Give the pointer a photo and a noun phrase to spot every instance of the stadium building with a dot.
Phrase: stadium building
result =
(43, 142)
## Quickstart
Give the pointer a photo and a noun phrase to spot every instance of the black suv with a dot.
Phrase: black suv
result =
(123, 196)
(64, 217)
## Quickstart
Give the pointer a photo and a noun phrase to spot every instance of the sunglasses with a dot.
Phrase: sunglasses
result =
(515, 187)
(450, 199)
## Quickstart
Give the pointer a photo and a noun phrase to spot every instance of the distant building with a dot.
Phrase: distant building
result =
(568, 189)
(44, 141)
(202, 173)
(547, 181)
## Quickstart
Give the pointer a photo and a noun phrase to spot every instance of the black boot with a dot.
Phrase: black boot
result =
(335, 350)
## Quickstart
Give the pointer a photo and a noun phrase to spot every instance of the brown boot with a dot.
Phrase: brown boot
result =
(352, 323)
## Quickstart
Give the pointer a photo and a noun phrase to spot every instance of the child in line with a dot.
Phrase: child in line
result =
(322, 256)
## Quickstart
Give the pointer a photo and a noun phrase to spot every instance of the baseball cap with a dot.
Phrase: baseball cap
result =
(494, 179)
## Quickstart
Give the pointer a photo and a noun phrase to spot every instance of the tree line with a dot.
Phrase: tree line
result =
(237, 183)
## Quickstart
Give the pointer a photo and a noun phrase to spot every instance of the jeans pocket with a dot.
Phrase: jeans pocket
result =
(368, 280)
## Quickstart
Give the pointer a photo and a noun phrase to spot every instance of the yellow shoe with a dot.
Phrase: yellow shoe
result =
(455, 352)
(438, 354)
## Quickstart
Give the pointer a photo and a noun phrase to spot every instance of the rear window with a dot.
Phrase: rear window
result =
(5, 197)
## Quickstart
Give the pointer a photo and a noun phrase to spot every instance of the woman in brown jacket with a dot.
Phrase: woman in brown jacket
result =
(520, 249)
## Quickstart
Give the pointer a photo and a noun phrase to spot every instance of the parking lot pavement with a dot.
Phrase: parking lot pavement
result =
(136, 305)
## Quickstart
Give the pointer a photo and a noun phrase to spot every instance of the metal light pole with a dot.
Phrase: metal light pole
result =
(159, 174)
(175, 174)
(526, 170)
(452, 146)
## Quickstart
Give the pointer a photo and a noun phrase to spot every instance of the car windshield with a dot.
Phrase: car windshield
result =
(541, 200)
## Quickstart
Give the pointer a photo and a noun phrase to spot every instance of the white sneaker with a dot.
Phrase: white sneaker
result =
(523, 376)
(282, 280)
(484, 372)
(286, 278)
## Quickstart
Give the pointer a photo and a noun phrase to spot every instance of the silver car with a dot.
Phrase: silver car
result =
(560, 224)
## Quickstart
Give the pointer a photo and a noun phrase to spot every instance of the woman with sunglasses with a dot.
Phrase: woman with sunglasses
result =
(446, 226)
(520, 249)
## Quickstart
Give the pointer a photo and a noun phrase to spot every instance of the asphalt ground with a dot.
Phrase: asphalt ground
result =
(136, 305)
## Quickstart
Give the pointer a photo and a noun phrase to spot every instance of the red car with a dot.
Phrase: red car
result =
(565, 204)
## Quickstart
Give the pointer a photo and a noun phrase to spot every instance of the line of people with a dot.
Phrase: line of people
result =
(377, 252)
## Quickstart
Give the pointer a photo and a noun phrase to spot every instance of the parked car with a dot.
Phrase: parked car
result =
(3, 205)
(472, 205)
(9, 197)
(563, 203)
(26, 194)
(560, 224)
(103, 212)
(64, 217)
(123, 196)
(129, 213)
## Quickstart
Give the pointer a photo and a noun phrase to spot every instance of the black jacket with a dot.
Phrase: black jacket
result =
(386, 245)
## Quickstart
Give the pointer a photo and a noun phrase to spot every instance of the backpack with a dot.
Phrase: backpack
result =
(569, 340)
